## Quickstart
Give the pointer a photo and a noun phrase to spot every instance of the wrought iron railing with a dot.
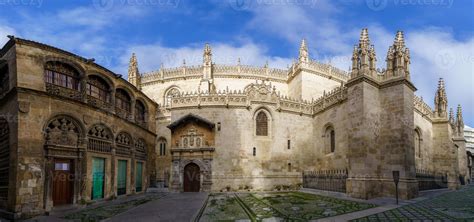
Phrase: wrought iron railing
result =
(331, 180)
(428, 180)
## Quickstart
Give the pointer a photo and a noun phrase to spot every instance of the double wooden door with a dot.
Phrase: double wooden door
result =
(63, 182)
(192, 178)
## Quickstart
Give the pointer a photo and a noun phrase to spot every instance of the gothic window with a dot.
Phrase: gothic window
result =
(61, 74)
(169, 95)
(100, 139)
(162, 143)
(418, 140)
(262, 124)
(98, 88)
(4, 78)
(63, 130)
(330, 139)
(122, 100)
(4, 161)
(140, 112)
(140, 149)
(124, 144)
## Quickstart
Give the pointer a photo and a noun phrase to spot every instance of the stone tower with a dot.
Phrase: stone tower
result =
(445, 152)
(133, 74)
(380, 112)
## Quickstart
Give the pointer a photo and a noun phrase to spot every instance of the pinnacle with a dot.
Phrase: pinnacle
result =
(399, 38)
(364, 37)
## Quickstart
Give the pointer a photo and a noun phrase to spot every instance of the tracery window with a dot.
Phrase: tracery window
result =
(124, 144)
(122, 100)
(162, 143)
(98, 88)
(261, 124)
(61, 74)
(169, 95)
(140, 149)
(4, 161)
(100, 139)
(140, 112)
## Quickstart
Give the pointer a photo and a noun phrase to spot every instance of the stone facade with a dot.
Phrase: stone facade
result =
(319, 118)
(59, 114)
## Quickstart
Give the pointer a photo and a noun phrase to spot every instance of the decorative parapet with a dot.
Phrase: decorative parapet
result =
(246, 71)
(422, 107)
(329, 99)
(317, 68)
(256, 94)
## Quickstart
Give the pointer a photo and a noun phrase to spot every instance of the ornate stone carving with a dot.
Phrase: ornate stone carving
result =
(24, 106)
(63, 92)
(100, 139)
(63, 130)
(124, 144)
(140, 148)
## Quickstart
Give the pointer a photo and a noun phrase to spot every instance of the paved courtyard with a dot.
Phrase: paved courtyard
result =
(441, 205)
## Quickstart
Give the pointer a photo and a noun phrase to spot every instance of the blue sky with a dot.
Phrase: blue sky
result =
(439, 33)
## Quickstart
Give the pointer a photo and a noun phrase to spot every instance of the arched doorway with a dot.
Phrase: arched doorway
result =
(192, 178)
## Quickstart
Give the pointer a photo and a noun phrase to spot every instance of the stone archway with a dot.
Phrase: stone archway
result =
(191, 178)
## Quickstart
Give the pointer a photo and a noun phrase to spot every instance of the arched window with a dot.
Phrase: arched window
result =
(261, 124)
(4, 162)
(418, 140)
(61, 74)
(122, 100)
(162, 143)
(140, 112)
(98, 88)
(169, 95)
(330, 139)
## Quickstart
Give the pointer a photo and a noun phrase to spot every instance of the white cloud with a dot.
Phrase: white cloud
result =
(151, 56)
(4, 31)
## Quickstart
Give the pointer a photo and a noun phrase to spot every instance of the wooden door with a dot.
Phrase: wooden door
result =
(139, 177)
(192, 178)
(63, 182)
(122, 177)
(98, 174)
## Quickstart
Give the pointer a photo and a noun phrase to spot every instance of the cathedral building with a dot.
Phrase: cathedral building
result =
(73, 132)
(239, 127)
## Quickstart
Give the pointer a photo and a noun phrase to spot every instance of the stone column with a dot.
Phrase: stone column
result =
(112, 172)
(48, 184)
(132, 172)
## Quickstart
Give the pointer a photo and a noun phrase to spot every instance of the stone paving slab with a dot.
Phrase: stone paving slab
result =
(452, 206)
(173, 207)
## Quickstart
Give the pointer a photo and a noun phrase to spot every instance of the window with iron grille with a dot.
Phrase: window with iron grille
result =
(61, 74)
(98, 88)
(140, 112)
(100, 139)
(262, 124)
(122, 100)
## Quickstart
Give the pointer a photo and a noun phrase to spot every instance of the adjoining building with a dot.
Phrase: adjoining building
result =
(71, 131)
(469, 135)
(236, 127)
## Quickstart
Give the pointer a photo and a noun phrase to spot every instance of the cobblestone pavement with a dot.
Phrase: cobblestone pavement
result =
(453, 206)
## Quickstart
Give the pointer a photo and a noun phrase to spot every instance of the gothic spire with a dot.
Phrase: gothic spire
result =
(133, 73)
(303, 55)
(398, 57)
(451, 117)
(459, 121)
(441, 100)
(363, 57)
(207, 55)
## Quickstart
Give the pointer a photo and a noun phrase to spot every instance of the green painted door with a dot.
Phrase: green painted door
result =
(98, 166)
(122, 177)
(138, 177)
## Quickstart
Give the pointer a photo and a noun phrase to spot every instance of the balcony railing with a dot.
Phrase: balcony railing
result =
(124, 114)
(331, 180)
(64, 92)
(98, 103)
